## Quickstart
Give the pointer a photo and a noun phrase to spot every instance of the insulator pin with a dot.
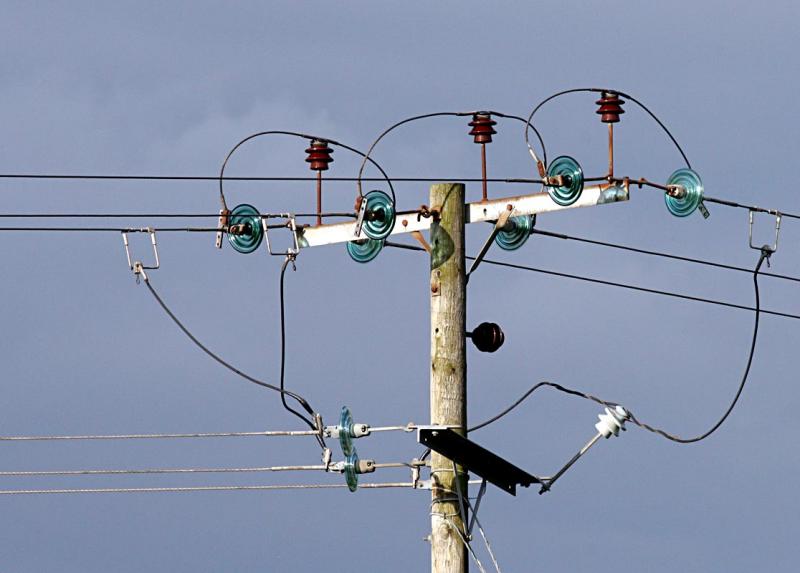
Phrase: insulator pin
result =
(610, 107)
(319, 155)
(482, 127)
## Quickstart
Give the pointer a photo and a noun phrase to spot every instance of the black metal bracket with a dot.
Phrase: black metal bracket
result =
(475, 458)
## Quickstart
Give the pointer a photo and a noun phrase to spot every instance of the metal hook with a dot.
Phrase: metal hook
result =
(138, 267)
(765, 248)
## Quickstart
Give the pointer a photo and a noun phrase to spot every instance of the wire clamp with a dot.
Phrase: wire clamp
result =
(291, 223)
(138, 267)
(765, 248)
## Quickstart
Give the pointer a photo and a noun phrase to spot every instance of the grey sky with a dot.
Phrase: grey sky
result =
(168, 89)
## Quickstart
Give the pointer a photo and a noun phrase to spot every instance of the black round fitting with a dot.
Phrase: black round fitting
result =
(487, 337)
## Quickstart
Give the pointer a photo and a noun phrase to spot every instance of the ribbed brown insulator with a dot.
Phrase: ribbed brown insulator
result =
(610, 107)
(487, 337)
(482, 127)
(319, 155)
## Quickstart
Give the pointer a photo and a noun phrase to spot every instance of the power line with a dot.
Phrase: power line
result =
(263, 469)
(300, 400)
(529, 125)
(753, 208)
(102, 177)
(614, 284)
(265, 434)
(202, 488)
(659, 254)
(149, 215)
(111, 229)
(36, 473)
(672, 437)
(366, 156)
(282, 433)
(286, 262)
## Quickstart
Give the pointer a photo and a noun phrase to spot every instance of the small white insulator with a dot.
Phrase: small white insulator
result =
(612, 422)
(360, 430)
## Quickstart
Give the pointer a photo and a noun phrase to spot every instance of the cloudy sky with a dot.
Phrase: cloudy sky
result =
(169, 88)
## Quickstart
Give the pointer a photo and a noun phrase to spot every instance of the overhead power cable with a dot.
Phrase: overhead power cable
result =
(309, 138)
(300, 400)
(753, 208)
(394, 126)
(659, 254)
(614, 284)
(265, 434)
(147, 215)
(286, 262)
(672, 437)
(529, 124)
(276, 433)
(40, 473)
(289, 178)
(85, 472)
(202, 488)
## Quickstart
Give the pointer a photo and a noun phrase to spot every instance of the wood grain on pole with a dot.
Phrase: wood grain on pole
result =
(448, 369)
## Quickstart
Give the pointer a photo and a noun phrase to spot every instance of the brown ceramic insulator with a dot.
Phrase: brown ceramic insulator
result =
(319, 155)
(482, 127)
(610, 107)
(487, 337)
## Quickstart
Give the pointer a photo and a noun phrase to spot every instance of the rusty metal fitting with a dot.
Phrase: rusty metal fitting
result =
(359, 201)
(319, 155)
(427, 212)
(557, 181)
(677, 191)
(610, 107)
(240, 229)
(482, 127)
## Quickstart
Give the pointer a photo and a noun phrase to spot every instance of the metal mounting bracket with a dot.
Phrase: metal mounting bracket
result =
(222, 225)
(291, 225)
(474, 458)
(498, 226)
(138, 267)
(768, 248)
(362, 211)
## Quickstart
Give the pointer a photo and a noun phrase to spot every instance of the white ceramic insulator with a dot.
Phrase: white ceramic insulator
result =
(365, 466)
(612, 422)
(360, 430)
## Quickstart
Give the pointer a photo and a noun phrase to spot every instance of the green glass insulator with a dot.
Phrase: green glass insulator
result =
(572, 173)
(690, 181)
(346, 431)
(351, 471)
(380, 215)
(515, 233)
(364, 250)
(249, 217)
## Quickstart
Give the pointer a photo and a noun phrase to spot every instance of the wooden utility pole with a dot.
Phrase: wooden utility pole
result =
(448, 371)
